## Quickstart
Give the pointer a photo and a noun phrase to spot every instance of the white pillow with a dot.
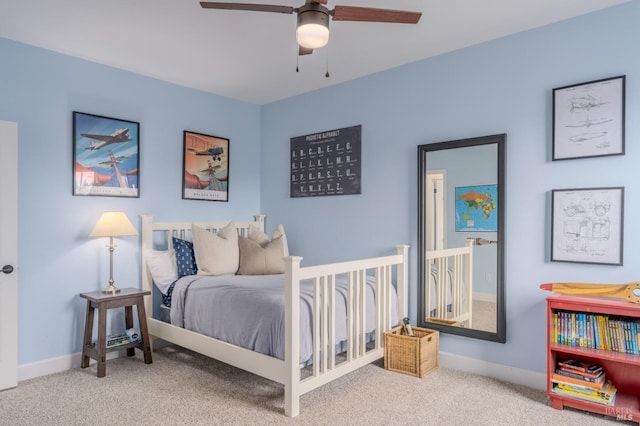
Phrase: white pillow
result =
(255, 234)
(163, 268)
(216, 254)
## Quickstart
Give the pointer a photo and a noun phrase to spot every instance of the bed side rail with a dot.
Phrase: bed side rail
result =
(323, 278)
(452, 281)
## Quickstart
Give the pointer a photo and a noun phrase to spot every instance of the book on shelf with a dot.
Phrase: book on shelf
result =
(558, 378)
(605, 396)
(582, 373)
(596, 331)
(580, 366)
(607, 391)
(117, 340)
(587, 377)
(128, 336)
(112, 341)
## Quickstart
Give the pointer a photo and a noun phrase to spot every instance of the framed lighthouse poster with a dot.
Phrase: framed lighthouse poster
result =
(206, 167)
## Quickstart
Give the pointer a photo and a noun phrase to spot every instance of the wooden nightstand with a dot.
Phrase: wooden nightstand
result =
(127, 298)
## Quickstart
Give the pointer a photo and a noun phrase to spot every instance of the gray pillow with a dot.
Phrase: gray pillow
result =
(256, 234)
(256, 259)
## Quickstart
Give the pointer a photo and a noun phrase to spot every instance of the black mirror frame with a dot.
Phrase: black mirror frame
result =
(501, 333)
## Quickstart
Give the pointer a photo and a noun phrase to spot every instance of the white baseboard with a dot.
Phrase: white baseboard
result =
(485, 297)
(519, 376)
(66, 362)
(56, 365)
(506, 373)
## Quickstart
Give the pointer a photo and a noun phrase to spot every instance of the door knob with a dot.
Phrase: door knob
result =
(7, 269)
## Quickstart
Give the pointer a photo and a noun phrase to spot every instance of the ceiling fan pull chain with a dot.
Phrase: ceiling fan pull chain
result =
(327, 74)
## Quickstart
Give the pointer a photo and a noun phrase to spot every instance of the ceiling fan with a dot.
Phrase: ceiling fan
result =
(312, 30)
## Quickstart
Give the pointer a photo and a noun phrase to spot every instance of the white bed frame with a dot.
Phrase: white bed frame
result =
(157, 236)
(459, 261)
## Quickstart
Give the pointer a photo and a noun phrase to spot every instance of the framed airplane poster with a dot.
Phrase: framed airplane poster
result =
(205, 174)
(105, 156)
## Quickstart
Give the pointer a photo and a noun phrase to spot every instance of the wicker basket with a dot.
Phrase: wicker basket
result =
(416, 356)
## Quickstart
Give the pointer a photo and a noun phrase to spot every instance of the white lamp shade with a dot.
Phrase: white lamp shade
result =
(113, 224)
(312, 36)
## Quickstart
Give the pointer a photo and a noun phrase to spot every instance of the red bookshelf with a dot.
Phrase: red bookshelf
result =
(623, 369)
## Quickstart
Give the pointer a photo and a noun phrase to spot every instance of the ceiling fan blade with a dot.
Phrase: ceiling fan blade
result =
(304, 51)
(247, 6)
(368, 14)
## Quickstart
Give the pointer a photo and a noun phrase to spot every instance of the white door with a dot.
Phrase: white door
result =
(8, 255)
(435, 225)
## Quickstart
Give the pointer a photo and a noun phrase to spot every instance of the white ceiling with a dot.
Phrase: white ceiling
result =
(251, 56)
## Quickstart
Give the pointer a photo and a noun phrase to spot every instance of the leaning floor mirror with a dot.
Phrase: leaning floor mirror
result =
(461, 236)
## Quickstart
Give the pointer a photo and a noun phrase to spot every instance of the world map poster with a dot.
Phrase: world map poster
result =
(476, 208)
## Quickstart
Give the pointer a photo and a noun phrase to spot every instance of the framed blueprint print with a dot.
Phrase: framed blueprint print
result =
(587, 225)
(589, 119)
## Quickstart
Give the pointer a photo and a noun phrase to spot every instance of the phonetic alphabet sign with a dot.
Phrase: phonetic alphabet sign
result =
(326, 163)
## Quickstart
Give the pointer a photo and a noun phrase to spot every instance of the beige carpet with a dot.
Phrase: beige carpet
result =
(485, 316)
(183, 388)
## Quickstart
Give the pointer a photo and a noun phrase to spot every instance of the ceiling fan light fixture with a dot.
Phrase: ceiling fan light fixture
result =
(312, 31)
(312, 36)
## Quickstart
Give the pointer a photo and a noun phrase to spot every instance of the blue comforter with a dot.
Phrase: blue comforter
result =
(248, 311)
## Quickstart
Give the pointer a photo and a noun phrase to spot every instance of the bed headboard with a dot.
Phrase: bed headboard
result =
(158, 236)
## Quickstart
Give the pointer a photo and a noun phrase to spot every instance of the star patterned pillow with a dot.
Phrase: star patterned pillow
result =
(185, 257)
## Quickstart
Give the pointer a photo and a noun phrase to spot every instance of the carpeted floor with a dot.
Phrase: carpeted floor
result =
(184, 388)
(485, 316)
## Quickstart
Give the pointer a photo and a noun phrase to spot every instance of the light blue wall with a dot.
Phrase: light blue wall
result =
(503, 86)
(39, 90)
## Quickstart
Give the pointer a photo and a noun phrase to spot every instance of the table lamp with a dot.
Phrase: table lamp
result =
(112, 224)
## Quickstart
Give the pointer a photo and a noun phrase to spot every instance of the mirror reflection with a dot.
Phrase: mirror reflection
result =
(461, 236)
